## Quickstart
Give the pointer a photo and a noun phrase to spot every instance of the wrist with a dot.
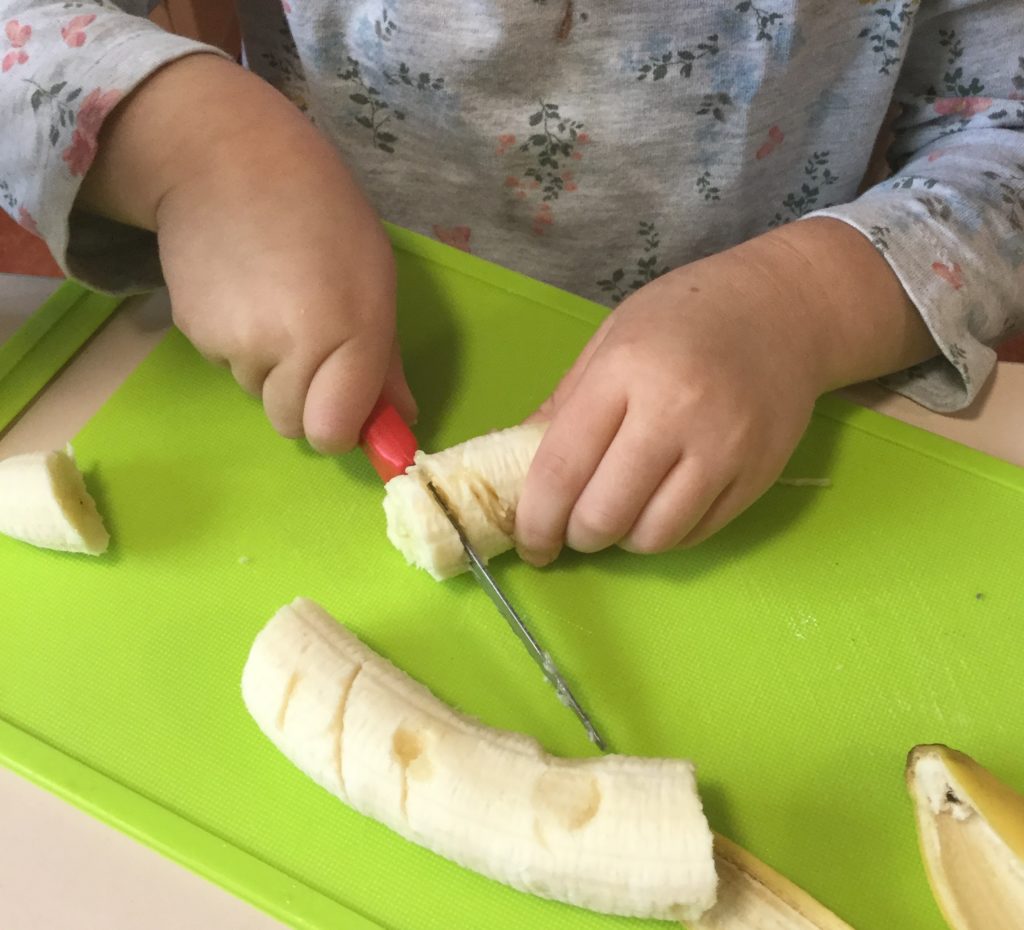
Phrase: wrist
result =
(850, 317)
(199, 115)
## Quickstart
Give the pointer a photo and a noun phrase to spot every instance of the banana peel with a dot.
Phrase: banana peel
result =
(971, 833)
(753, 896)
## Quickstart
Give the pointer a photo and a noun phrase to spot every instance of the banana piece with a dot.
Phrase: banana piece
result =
(616, 834)
(481, 480)
(971, 831)
(753, 896)
(44, 502)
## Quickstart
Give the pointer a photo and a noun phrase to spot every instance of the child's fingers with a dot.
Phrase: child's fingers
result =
(571, 449)
(627, 476)
(284, 394)
(736, 498)
(676, 507)
(250, 374)
(342, 392)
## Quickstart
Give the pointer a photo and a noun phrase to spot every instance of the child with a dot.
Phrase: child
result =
(640, 152)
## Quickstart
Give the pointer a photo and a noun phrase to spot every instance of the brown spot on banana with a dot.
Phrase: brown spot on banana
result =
(480, 480)
(407, 746)
(488, 502)
(570, 799)
(499, 515)
(337, 729)
(410, 751)
(286, 698)
(422, 769)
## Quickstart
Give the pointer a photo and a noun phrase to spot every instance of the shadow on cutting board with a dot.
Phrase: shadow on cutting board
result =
(431, 346)
(168, 501)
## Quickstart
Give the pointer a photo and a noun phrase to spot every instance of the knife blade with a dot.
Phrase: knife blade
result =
(391, 447)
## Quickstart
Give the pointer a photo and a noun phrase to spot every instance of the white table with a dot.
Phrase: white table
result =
(62, 870)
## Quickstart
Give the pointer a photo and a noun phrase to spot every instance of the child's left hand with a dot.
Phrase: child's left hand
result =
(688, 401)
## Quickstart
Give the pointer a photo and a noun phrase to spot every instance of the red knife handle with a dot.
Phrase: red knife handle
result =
(388, 442)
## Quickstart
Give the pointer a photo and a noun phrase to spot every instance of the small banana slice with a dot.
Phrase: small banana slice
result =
(753, 896)
(616, 834)
(971, 831)
(481, 480)
(44, 502)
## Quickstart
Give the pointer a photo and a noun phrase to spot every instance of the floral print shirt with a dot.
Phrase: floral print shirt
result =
(595, 144)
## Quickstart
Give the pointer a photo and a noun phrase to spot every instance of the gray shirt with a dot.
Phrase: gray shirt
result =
(595, 145)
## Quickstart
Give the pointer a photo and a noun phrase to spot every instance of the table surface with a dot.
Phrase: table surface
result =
(60, 868)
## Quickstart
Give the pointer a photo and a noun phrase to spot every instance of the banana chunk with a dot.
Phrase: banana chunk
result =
(44, 502)
(971, 831)
(481, 480)
(616, 834)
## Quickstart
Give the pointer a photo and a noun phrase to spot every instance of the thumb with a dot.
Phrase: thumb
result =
(341, 394)
(550, 406)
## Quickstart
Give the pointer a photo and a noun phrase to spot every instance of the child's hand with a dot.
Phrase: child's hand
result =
(291, 283)
(681, 411)
(276, 264)
(688, 401)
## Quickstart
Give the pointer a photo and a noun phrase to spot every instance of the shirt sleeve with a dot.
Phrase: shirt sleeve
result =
(950, 221)
(63, 68)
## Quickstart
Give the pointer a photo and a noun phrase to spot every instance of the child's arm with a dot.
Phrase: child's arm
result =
(687, 404)
(63, 68)
(276, 264)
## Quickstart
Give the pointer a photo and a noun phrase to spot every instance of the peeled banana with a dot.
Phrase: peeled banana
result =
(617, 834)
(44, 501)
(480, 480)
(971, 831)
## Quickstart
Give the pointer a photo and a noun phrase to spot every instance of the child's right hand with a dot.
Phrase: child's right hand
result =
(277, 265)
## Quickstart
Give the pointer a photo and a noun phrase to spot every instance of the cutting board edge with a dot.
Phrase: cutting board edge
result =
(495, 275)
(38, 350)
(177, 838)
(940, 448)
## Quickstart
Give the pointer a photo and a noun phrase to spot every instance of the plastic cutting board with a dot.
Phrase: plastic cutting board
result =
(796, 657)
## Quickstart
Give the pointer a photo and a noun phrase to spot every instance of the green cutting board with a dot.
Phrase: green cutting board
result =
(796, 657)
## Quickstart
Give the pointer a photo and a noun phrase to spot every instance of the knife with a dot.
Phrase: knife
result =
(391, 447)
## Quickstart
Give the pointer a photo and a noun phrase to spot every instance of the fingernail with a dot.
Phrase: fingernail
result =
(536, 559)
